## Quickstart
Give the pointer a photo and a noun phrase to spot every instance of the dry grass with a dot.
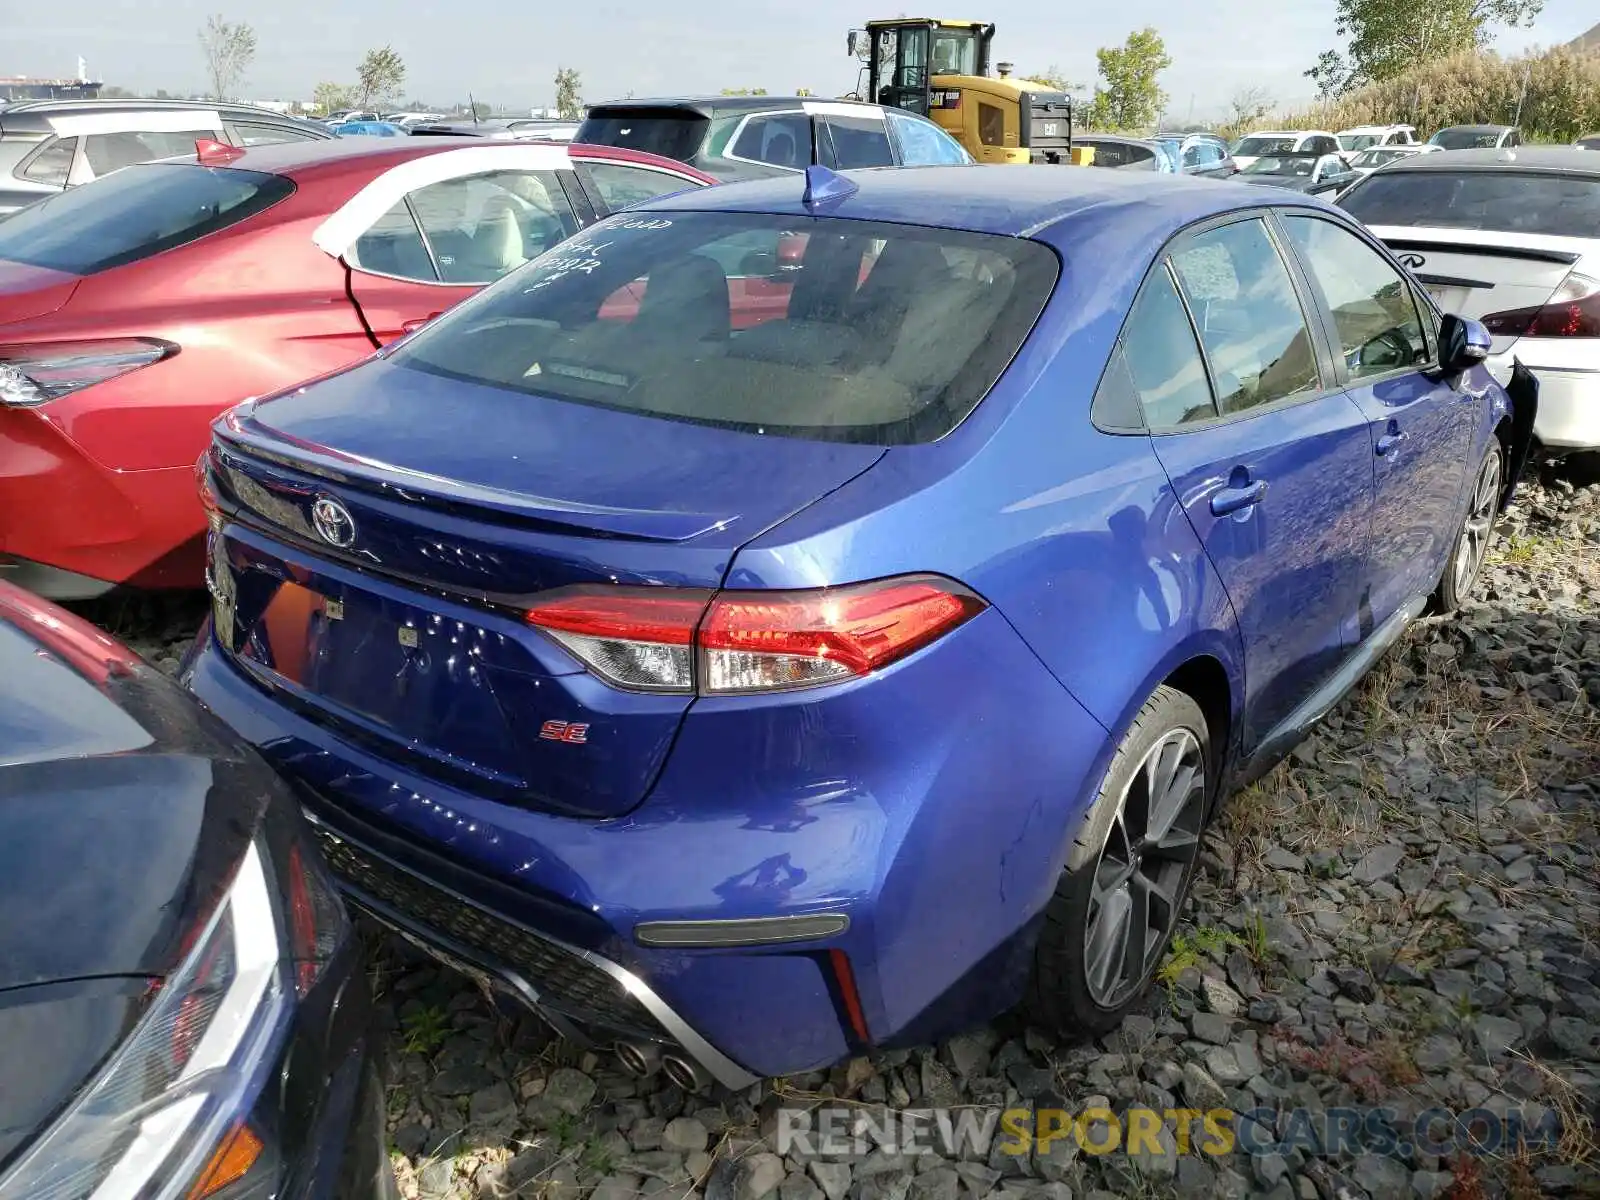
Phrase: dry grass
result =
(1561, 103)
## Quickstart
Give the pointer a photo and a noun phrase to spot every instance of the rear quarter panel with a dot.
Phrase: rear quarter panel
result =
(252, 309)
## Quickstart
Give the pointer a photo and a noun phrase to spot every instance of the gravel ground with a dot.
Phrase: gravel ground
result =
(1404, 914)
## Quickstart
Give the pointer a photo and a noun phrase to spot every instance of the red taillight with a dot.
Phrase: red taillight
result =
(656, 639)
(33, 375)
(316, 920)
(1573, 310)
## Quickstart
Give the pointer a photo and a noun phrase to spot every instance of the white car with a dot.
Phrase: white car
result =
(1365, 137)
(1512, 239)
(1365, 162)
(1282, 141)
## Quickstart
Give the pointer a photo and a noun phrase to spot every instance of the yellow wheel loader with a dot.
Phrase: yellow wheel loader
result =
(940, 70)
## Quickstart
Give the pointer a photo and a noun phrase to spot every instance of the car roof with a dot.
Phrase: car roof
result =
(297, 159)
(985, 200)
(1375, 128)
(1287, 133)
(705, 104)
(29, 114)
(1478, 128)
(1528, 158)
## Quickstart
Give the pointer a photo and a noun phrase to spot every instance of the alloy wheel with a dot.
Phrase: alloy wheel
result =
(1479, 524)
(1139, 878)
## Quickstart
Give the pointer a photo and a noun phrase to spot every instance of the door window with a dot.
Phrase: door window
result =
(991, 125)
(1251, 324)
(107, 152)
(484, 226)
(1373, 309)
(1168, 374)
(858, 142)
(924, 144)
(620, 185)
(778, 139)
(52, 164)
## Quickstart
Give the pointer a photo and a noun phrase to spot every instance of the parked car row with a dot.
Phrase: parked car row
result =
(751, 624)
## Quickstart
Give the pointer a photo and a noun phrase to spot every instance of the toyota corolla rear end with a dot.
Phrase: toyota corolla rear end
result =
(482, 600)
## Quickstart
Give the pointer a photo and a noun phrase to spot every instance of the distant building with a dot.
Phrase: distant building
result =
(24, 87)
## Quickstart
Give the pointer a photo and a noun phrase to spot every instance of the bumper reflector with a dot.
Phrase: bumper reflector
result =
(756, 931)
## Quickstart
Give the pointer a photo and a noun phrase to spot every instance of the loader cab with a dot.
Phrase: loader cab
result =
(903, 59)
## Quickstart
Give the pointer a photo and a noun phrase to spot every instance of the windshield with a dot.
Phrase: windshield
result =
(1359, 141)
(1264, 145)
(836, 330)
(671, 133)
(955, 52)
(134, 213)
(1281, 166)
(1376, 158)
(1503, 201)
(1467, 139)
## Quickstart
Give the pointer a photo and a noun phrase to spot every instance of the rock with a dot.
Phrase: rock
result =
(1223, 1066)
(799, 1186)
(1381, 1175)
(1211, 1027)
(568, 1090)
(1269, 1168)
(1497, 1035)
(684, 1135)
(410, 1139)
(617, 1187)
(493, 1105)
(436, 1180)
(942, 1183)
(1428, 1185)
(969, 1054)
(1378, 863)
(1265, 1011)
(832, 1178)
(1280, 859)
(1219, 997)
(645, 1133)
(1158, 1163)
(1200, 1089)
(462, 1080)
(759, 1174)
(938, 1085)
(978, 1177)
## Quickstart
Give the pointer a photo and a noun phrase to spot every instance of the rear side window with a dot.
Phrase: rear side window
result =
(1163, 361)
(134, 214)
(866, 332)
(107, 152)
(250, 134)
(621, 185)
(1503, 201)
(922, 143)
(671, 134)
(777, 139)
(53, 163)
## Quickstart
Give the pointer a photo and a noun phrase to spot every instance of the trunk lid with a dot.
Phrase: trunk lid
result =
(462, 503)
(1473, 273)
(27, 292)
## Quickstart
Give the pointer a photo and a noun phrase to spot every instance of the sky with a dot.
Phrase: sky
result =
(507, 53)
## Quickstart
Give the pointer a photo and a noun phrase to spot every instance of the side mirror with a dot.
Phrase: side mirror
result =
(1463, 343)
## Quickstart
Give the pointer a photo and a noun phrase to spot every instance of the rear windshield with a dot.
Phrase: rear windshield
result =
(818, 328)
(134, 213)
(1264, 145)
(1501, 201)
(671, 134)
(1467, 139)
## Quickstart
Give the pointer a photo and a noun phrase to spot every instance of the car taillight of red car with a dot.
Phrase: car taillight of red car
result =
(37, 374)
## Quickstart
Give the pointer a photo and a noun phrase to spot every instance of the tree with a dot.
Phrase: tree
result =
(1250, 105)
(229, 48)
(1130, 97)
(1055, 77)
(330, 97)
(1384, 38)
(802, 91)
(381, 74)
(569, 94)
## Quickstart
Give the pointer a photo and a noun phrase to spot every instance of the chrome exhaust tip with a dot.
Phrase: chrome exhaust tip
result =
(685, 1073)
(638, 1058)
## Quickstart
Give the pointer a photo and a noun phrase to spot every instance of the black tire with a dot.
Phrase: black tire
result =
(1476, 535)
(1063, 996)
(1581, 469)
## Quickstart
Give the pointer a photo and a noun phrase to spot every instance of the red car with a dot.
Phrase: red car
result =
(135, 309)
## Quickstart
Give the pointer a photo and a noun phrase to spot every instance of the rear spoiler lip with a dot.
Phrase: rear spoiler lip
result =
(1563, 257)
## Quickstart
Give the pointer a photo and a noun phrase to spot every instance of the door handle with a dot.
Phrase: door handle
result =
(1389, 441)
(1231, 500)
(417, 323)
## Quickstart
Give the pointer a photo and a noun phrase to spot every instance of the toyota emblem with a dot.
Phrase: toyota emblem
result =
(333, 522)
(1412, 261)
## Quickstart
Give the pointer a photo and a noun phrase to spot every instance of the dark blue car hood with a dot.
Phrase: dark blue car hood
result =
(583, 468)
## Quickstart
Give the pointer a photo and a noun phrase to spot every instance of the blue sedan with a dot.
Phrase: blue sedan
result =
(821, 613)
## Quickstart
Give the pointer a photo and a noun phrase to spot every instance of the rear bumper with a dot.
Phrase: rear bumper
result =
(936, 828)
(1569, 403)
